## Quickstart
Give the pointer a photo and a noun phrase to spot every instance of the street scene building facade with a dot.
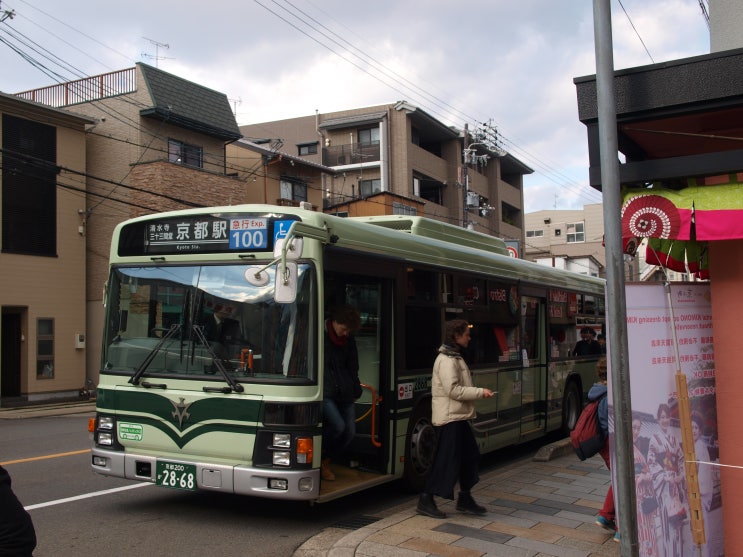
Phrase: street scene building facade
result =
(150, 141)
(402, 160)
(42, 258)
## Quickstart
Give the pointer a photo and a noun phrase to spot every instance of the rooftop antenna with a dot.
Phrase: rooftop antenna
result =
(6, 14)
(157, 56)
(235, 103)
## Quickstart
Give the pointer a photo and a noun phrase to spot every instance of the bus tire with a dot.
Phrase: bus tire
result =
(420, 447)
(572, 404)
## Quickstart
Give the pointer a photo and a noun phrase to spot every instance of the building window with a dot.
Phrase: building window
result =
(45, 348)
(510, 214)
(534, 233)
(429, 189)
(293, 190)
(29, 187)
(307, 149)
(369, 136)
(370, 187)
(575, 232)
(182, 153)
(402, 209)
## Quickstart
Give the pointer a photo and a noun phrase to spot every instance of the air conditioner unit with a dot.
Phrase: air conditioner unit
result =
(306, 205)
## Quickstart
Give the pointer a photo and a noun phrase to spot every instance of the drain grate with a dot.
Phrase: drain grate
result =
(355, 522)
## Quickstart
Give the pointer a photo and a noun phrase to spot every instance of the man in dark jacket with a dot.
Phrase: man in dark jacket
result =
(341, 385)
(17, 534)
(587, 345)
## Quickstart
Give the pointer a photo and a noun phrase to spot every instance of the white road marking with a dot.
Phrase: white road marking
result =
(85, 496)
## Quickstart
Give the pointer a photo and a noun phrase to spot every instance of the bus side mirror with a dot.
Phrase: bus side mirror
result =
(285, 289)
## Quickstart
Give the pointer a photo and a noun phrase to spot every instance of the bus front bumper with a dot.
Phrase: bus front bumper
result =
(242, 480)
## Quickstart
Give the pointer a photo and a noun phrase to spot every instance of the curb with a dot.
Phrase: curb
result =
(554, 450)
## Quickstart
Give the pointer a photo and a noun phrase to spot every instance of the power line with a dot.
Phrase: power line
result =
(549, 172)
(635, 30)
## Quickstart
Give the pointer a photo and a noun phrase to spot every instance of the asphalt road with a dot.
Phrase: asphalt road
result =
(77, 512)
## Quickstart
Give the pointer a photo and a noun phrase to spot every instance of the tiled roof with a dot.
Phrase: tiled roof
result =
(189, 105)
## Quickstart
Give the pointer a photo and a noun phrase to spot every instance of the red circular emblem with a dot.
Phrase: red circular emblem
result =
(649, 216)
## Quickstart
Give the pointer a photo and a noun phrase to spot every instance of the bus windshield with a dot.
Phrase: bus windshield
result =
(196, 321)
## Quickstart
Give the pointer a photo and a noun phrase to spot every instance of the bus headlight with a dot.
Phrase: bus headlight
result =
(105, 438)
(282, 458)
(283, 440)
(106, 422)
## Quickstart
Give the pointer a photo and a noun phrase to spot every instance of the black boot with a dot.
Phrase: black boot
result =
(427, 506)
(466, 504)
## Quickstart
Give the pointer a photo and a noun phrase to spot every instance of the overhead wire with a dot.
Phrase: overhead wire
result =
(636, 31)
(512, 146)
(380, 68)
(535, 160)
(582, 190)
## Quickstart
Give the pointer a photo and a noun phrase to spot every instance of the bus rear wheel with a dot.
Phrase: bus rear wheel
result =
(572, 404)
(420, 447)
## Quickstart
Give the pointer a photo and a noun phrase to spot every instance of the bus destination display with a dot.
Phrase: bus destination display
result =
(203, 234)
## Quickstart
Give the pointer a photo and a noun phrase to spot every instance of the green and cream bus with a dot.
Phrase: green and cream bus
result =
(242, 414)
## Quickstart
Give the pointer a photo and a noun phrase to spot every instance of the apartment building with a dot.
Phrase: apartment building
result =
(398, 159)
(276, 178)
(567, 239)
(42, 250)
(157, 142)
(573, 239)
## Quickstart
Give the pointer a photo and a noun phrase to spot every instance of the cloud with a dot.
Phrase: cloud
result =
(510, 63)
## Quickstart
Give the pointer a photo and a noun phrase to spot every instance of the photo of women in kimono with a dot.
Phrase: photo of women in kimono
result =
(647, 502)
(668, 481)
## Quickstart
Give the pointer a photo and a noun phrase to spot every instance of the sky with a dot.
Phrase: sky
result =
(510, 64)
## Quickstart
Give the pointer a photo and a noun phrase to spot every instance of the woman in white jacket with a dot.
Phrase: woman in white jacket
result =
(452, 407)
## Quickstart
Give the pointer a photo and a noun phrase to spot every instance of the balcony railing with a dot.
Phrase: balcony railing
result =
(350, 153)
(84, 90)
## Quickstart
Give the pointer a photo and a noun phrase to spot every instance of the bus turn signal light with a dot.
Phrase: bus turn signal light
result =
(304, 450)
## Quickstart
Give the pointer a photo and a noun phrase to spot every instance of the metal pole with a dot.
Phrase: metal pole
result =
(465, 184)
(624, 490)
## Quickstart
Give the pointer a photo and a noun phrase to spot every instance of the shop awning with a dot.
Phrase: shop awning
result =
(679, 223)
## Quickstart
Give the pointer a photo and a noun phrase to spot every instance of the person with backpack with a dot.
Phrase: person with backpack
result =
(607, 515)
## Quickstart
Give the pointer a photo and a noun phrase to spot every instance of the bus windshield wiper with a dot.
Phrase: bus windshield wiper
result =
(134, 380)
(218, 362)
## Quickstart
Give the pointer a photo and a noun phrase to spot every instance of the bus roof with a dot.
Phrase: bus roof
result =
(412, 239)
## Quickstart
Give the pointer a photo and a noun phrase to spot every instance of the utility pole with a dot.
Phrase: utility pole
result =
(616, 304)
(465, 178)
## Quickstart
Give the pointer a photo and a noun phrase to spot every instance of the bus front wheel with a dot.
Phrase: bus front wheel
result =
(572, 404)
(420, 447)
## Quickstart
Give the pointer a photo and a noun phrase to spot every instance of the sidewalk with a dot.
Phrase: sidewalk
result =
(38, 410)
(543, 506)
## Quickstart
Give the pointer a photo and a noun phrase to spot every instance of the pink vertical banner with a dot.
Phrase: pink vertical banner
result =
(663, 515)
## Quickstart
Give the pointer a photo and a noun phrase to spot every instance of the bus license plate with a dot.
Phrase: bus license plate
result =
(175, 475)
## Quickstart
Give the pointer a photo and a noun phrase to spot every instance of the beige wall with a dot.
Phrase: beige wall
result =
(591, 215)
(52, 287)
